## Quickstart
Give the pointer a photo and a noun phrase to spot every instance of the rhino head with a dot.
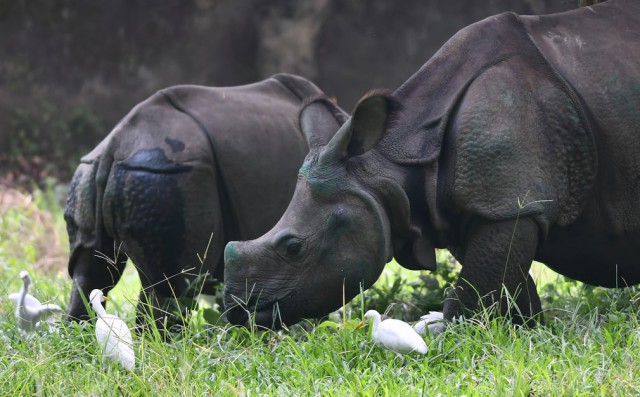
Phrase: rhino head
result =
(349, 215)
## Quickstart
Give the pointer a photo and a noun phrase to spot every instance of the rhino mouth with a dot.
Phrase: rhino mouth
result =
(264, 311)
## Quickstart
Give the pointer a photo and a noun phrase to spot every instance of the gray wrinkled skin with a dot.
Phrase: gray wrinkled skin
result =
(517, 141)
(187, 165)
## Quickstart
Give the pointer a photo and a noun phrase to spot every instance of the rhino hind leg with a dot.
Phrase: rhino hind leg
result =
(167, 220)
(94, 261)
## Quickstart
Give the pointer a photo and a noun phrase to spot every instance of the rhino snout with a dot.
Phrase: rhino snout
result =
(239, 270)
(244, 260)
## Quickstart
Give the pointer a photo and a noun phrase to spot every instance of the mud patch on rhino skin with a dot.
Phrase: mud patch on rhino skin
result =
(148, 211)
(153, 160)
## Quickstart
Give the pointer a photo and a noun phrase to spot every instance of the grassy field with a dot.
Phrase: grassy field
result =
(590, 346)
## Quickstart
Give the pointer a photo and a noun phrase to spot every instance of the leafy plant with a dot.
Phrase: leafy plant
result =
(408, 296)
(48, 142)
(589, 346)
(575, 355)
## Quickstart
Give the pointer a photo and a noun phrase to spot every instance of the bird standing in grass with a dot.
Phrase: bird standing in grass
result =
(113, 335)
(29, 310)
(432, 322)
(394, 335)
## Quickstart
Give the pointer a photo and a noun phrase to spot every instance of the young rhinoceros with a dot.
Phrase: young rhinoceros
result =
(518, 140)
(186, 171)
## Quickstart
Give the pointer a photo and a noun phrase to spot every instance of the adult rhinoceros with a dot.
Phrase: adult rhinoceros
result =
(187, 165)
(518, 140)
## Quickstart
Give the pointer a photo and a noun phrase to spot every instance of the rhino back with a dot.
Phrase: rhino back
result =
(597, 51)
(242, 142)
(250, 135)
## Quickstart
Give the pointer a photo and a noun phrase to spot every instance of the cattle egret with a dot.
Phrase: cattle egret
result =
(432, 322)
(29, 310)
(394, 335)
(113, 335)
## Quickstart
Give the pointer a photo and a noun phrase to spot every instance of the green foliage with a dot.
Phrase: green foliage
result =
(409, 295)
(589, 346)
(49, 141)
(29, 232)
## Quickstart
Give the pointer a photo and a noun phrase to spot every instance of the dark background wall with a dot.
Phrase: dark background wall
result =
(70, 69)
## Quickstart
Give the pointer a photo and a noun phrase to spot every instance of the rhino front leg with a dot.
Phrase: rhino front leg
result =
(168, 310)
(496, 259)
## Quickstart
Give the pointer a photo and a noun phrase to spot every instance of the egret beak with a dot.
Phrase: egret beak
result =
(105, 299)
(360, 324)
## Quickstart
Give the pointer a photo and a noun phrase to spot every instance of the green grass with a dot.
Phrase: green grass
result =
(590, 346)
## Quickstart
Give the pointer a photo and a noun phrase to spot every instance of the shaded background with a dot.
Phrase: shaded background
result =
(70, 69)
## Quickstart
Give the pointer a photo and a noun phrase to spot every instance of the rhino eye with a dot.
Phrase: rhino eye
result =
(294, 248)
(288, 244)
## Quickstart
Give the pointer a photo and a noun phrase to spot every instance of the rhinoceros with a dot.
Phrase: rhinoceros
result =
(518, 140)
(186, 171)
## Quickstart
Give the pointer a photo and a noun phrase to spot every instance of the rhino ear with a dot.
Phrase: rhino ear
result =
(366, 127)
(319, 119)
(370, 121)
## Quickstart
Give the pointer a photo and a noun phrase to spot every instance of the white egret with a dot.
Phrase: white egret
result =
(432, 322)
(29, 310)
(394, 335)
(113, 335)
